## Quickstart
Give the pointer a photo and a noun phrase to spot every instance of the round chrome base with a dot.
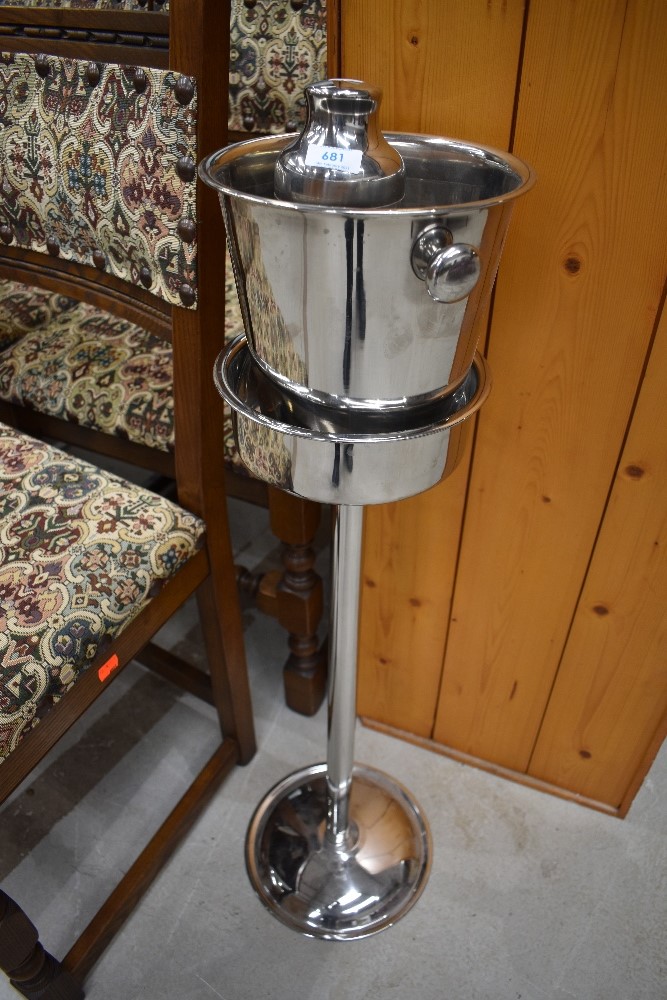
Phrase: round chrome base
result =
(344, 891)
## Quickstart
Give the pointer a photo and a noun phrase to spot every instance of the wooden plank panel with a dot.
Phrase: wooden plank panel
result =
(585, 264)
(611, 691)
(446, 67)
(406, 583)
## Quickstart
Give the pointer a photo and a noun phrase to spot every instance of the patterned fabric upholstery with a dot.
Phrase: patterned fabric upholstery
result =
(91, 4)
(23, 309)
(81, 553)
(98, 165)
(277, 48)
(81, 364)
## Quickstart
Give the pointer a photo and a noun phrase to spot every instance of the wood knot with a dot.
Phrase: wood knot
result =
(414, 40)
(586, 754)
(601, 610)
(634, 471)
(572, 264)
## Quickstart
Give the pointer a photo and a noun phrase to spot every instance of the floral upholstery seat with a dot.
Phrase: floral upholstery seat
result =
(74, 361)
(81, 553)
(24, 309)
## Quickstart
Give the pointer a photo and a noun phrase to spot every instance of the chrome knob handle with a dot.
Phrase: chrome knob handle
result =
(450, 270)
(453, 273)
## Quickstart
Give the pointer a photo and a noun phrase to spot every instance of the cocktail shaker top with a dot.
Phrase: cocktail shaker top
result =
(341, 158)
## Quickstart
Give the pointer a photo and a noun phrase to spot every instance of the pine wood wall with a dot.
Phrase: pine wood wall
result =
(516, 615)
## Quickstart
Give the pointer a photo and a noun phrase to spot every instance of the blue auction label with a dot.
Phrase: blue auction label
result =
(346, 160)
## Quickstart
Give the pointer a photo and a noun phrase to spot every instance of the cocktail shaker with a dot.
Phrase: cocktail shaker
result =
(341, 157)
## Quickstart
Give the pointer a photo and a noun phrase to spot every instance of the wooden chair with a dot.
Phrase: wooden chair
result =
(91, 565)
(120, 402)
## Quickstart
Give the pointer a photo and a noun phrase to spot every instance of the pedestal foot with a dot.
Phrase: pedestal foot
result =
(338, 891)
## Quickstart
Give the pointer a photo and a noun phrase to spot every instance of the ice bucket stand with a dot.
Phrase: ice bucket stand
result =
(340, 850)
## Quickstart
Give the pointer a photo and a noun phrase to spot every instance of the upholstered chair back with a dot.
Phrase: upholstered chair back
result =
(98, 166)
(277, 48)
(91, 4)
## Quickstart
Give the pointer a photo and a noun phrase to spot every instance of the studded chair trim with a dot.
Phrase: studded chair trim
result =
(98, 165)
(277, 48)
(156, 5)
(91, 4)
(81, 553)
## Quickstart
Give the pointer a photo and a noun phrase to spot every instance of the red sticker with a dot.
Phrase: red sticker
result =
(107, 667)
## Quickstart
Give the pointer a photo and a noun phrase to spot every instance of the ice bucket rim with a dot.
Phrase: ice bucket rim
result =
(232, 151)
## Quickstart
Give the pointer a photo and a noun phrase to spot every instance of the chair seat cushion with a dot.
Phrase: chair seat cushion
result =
(23, 309)
(76, 362)
(81, 553)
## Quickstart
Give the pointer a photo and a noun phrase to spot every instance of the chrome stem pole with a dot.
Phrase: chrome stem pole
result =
(342, 696)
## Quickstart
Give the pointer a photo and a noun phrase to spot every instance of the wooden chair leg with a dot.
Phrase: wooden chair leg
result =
(294, 597)
(32, 971)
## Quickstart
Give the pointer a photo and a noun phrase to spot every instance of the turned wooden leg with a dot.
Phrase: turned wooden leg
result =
(295, 598)
(32, 971)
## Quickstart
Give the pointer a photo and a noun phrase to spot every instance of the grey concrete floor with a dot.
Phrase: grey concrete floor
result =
(529, 898)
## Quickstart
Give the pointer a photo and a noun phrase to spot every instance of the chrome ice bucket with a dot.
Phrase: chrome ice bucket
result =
(365, 309)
